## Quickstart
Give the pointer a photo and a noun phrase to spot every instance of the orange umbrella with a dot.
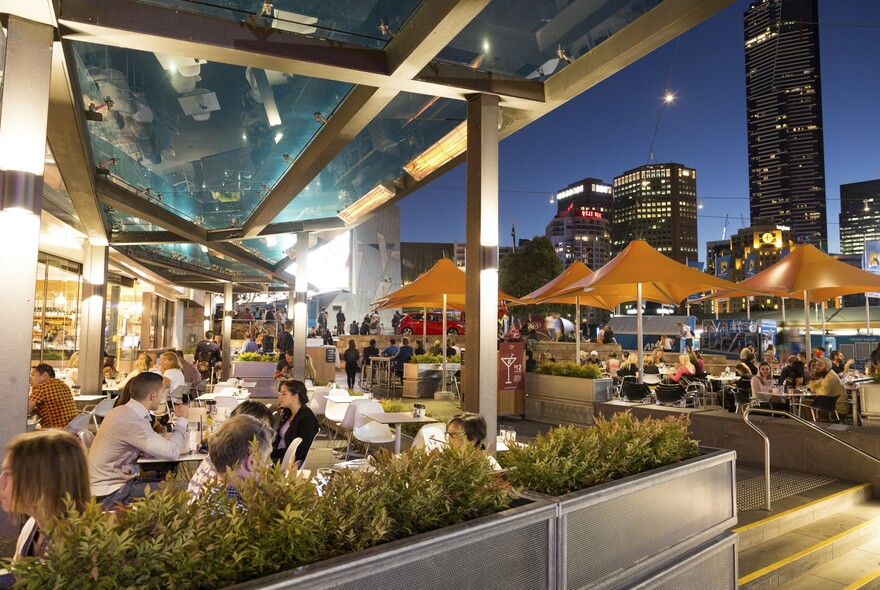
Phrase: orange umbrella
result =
(641, 273)
(806, 273)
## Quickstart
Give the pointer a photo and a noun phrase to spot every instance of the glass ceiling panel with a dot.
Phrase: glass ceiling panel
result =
(203, 140)
(349, 21)
(269, 248)
(195, 254)
(524, 37)
(405, 128)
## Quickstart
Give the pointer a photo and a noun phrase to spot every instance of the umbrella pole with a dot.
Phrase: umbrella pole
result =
(443, 386)
(577, 329)
(639, 332)
(425, 325)
(715, 305)
(807, 346)
(748, 309)
(868, 313)
(823, 325)
(783, 308)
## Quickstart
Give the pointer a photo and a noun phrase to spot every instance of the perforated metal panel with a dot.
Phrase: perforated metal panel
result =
(655, 518)
(711, 566)
(783, 484)
(509, 551)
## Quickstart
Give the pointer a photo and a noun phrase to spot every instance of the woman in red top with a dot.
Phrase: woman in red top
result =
(684, 368)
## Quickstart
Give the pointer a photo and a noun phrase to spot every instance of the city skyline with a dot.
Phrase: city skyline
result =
(608, 130)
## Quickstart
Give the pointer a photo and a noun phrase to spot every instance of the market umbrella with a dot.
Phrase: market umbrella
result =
(641, 273)
(806, 273)
(444, 283)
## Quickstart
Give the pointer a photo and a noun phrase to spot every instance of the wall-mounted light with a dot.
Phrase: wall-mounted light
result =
(561, 54)
(320, 118)
(377, 196)
(449, 147)
(386, 30)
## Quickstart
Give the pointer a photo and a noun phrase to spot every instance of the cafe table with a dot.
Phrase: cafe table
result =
(240, 395)
(183, 457)
(397, 418)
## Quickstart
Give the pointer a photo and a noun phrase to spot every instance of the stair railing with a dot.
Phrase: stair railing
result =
(770, 412)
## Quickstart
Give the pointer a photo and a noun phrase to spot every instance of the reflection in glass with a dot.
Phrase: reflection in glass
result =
(56, 310)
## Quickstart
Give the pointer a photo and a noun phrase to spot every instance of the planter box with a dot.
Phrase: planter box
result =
(869, 403)
(511, 549)
(259, 372)
(564, 400)
(647, 525)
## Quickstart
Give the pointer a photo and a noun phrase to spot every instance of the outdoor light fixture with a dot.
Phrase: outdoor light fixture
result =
(866, 206)
(267, 8)
(20, 191)
(561, 54)
(379, 195)
(385, 30)
(668, 97)
(319, 117)
(449, 147)
(700, 204)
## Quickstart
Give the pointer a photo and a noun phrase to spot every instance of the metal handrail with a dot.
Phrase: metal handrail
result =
(771, 412)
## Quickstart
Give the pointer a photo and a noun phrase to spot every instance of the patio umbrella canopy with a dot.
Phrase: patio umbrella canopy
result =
(641, 273)
(806, 273)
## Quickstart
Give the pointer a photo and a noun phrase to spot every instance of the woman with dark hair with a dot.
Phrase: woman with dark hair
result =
(40, 471)
(469, 427)
(351, 356)
(297, 420)
(874, 362)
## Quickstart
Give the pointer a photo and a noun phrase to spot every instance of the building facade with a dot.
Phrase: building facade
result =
(784, 107)
(657, 203)
(859, 215)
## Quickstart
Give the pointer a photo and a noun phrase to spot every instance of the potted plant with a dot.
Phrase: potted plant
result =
(423, 373)
(260, 368)
(564, 393)
(635, 497)
(425, 510)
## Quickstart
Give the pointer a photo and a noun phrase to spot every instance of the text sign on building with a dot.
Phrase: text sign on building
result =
(570, 192)
(589, 214)
(510, 365)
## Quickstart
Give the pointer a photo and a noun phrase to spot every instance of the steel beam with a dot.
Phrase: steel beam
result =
(128, 238)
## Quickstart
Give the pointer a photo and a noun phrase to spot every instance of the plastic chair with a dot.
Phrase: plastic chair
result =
(101, 410)
(318, 403)
(348, 422)
(79, 423)
(430, 437)
(668, 394)
(820, 403)
(369, 431)
(633, 391)
(86, 437)
(226, 401)
(334, 412)
(289, 455)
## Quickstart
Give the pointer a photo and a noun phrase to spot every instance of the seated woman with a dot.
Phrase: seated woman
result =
(470, 427)
(763, 385)
(72, 378)
(630, 367)
(143, 364)
(40, 470)
(651, 367)
(697, 362)
(744, 373)
(613, 363)
(685, 368)
(297, 420)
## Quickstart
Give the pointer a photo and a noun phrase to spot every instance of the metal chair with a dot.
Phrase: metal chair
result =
(820, 403)
(79, 423)
(633, 391)
(670, 394)
(743, 399)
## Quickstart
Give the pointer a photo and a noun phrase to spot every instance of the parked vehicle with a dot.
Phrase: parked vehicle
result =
(412, 324)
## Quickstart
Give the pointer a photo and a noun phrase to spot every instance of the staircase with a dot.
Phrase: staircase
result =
(822, 533)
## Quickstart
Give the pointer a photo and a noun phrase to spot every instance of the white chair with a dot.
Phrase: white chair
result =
(334, 412)
(348, 422)
(369, 431)
(101, 410)
(651, 378)
(226, 401)
(86, 437)
(289, 456)
(79, 423)
(318, 403)
(430, 437)
(178, 392)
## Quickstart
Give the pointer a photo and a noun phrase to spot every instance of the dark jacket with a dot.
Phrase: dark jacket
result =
(303, 425)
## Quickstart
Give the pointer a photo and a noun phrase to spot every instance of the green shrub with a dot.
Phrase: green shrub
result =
(568, 458)
(256, 357)
(570, 369)
(162, 542)
(433, 359)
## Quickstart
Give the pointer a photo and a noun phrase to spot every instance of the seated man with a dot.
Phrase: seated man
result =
(594, 358)
(826, 382)
(838, 364)
(392, 349)
(231, 454)
(50, 398)
(284, 368)
(125, 435)
(405, 353)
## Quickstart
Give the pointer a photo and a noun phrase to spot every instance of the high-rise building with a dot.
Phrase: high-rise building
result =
(859, 215)
(657, 203)
(581, 229)
(784, 105)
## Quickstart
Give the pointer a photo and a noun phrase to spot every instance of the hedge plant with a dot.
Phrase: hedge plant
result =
(567, 458)
(256, 357)
(162, 542)
(570, 369)
(433, 359)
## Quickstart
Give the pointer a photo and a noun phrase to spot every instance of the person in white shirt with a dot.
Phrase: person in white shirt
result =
(125, 435)
(172, 377)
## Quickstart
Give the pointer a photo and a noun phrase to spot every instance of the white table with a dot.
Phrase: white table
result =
(180, 459)
(245, 394)
(397, 418)
(89, 399)
(344, 398)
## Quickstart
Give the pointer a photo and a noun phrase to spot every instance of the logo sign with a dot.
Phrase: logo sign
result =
(700, 266)
(730, 326)
(871, 260)
(570, 192)
(591, 214)
(751, 265)
(722, 266)
(602, 189)
(511, 366)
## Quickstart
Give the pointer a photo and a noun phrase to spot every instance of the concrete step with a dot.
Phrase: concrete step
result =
(860, 568)
(757, 526)
(791, 555)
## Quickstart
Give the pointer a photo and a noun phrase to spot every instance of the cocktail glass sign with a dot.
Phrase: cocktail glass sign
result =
(510, 365)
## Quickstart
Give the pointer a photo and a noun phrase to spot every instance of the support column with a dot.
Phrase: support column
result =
(114, 346)
(177, 325)
(300, 306)
(27, 66)
(227, 331)
(93, 318)
(481, 374)
(147, 320)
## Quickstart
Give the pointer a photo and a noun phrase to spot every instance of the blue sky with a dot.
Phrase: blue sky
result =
(607, 130)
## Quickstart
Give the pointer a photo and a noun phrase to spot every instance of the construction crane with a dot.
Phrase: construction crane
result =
(724, 230)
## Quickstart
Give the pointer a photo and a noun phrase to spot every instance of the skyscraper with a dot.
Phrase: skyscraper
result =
(581, 229)
(784, 104)
(859, 215)
(657, 203)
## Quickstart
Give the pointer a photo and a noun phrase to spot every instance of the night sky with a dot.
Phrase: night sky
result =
(607, 130)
